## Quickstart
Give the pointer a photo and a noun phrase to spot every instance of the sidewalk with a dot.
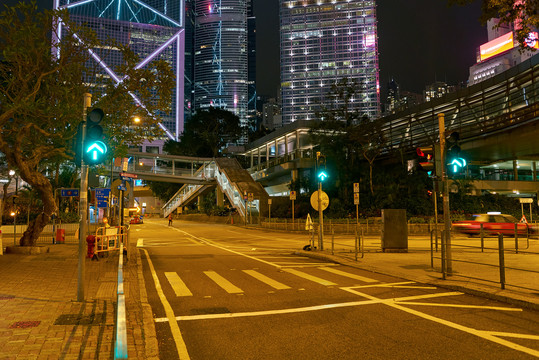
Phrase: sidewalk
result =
(470, 273)
(41, 318)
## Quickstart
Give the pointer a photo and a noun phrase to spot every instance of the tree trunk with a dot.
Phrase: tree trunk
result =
(370, 180)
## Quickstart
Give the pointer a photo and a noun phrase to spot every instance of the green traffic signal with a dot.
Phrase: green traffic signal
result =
(322, 175)
(94, 150)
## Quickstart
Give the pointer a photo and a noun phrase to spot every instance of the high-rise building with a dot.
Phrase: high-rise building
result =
(153, 29)
(322, 42)
(393, 97)
(221, 56)
(251, 65)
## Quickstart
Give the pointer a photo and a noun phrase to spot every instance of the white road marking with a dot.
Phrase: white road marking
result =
(171, 318)
(352, 276)
(288, 311)
(223, 283)
(179, 287)
(267, 280)
(462, 306)
(515, 335)
(310, 277)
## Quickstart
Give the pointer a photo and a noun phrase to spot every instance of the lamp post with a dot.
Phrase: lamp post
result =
(14, 212)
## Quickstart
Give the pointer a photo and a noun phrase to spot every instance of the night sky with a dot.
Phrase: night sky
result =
(419, 41)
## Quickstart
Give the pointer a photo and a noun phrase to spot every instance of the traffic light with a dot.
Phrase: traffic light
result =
(426, 159)
(321, 172)
(94, 150)
(454, 160)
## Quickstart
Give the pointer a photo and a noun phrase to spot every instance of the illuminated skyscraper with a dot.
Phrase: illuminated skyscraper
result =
(221, 56)
(322, 42)
(154, 29)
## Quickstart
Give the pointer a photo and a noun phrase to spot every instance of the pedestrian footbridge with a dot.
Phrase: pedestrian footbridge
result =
(200, 176)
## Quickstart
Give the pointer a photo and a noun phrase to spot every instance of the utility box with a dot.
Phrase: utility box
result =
(394, 230)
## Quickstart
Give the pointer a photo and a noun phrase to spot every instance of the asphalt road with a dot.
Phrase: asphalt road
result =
(223, 292)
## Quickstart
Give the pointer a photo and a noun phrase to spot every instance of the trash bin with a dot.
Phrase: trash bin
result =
(60, 236)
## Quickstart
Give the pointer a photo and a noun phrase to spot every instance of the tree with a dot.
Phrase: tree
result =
(41, 97)
(524, 13)
(207, 133)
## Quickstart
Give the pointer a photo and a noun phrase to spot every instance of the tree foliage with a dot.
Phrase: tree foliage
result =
(524, 13)
(41, 96)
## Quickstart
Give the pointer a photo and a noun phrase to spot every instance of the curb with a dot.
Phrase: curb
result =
(435, 282)
(151, 346)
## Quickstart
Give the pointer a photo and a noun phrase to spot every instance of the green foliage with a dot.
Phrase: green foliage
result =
(163, 190)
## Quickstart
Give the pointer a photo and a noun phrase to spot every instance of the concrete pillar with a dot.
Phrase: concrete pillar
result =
(199, 203)
(515, 169)
(296, 146)
(131, 202)
(259, 158)
(219, 195)
(173, 166)
(267, 154)
(252, 158)
(276, 149)
(294, 174)
(286, 145)
(534, 171)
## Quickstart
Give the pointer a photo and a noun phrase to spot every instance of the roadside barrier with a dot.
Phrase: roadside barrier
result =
(110, 238)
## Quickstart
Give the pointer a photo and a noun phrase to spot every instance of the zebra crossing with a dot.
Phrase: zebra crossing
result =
(257, 279)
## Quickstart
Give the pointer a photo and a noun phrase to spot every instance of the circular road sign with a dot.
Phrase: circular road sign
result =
(324, 200)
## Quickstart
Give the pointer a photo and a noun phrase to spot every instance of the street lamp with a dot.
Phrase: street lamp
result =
(136, 120)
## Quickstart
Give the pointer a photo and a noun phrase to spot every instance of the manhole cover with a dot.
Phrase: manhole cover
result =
(24, 324)
(206, 311)
(6, 297)
(78, 319)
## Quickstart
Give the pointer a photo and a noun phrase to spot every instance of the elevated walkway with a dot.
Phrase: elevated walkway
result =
(234, 181)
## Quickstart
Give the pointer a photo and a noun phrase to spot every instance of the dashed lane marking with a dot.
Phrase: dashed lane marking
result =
(266, 280)
(179, 287)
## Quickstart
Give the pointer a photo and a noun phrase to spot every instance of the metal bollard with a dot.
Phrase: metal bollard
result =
(502, 260)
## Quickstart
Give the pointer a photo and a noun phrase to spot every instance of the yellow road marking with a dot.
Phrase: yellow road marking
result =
(309, 277)
(171, 318)
(224, 283)
(140, 242)
(344, 273)
(179, 287)
(269, 281)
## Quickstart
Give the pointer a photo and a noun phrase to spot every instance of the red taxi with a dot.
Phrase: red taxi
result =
(493, 223)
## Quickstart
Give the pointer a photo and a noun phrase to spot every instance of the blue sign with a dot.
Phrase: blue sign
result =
(102, 197)
(69, 192)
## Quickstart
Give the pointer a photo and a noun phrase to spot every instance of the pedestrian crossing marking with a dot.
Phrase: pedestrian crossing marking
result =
(224, 283)
(349, 275)
(309, 277)
(179, 287)
(269, 281)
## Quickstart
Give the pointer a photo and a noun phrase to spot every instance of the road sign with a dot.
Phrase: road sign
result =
(69, 192)
(269, 201)
(115, 187)
(324, 200)
(356, 198)
(102, 197)
(292, 195)
(127, 175)
(309, 223)
(526, 200)
(356, 187)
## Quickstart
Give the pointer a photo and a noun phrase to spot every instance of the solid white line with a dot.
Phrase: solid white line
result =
(179, 287)
(310, 277)
(223, 283)
(171, 318)
(352, 276)
(267, 280)
(461, 306)
(287, 311)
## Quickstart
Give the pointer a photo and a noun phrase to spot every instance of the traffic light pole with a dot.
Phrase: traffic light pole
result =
(446, 240)
(83, 205)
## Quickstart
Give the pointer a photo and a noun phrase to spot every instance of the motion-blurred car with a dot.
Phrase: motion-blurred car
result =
(136, 219)
(493, 223)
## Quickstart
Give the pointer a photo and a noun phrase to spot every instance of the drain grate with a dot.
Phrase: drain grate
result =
(6, 297)
(24, 324)
(77, 319)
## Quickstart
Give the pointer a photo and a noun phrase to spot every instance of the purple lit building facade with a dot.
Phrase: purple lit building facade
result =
(322, 42)
(154, 29)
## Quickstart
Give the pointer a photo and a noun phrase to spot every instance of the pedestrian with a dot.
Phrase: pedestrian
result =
(170, 220)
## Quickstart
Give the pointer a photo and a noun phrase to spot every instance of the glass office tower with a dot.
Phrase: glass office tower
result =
(154, 29)
(322, 42)
(221, 57)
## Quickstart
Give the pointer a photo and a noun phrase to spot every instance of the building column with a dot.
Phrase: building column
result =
(199, 203)
(294, 174)
(296, 149)
(276, 149)
(267, 154)
(515, 170)
(286, 145)
(258, 167)
(219, 195)
(252, 158)
(534, 171)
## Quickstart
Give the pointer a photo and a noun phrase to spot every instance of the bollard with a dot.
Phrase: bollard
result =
(443, 237)
(482, 237)
(502, 260)
(332, 241)
(355, 243)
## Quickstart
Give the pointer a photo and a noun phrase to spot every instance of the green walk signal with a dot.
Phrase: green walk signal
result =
(322, 175)
(95, 150)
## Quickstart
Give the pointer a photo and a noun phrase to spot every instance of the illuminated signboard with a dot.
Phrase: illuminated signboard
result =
(532, 40)
(496, 46)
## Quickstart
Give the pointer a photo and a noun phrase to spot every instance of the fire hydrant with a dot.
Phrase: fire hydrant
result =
(90, 240)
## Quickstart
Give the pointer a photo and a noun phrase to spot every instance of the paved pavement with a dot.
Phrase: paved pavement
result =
(41, 318)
